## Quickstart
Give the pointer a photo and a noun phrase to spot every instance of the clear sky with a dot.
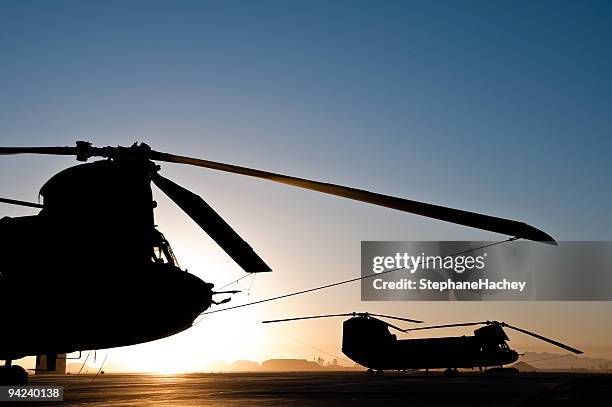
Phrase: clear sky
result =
(497, 107)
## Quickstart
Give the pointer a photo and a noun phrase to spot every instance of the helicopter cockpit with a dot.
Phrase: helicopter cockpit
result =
(162, 252)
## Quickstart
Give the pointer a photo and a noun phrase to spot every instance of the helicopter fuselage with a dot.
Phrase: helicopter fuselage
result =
(369, 343)
(91, 271)
(57, 315)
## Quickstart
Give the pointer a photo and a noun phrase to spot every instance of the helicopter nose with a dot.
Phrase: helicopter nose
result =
(206, 293)
(196, 292)
(513, 356)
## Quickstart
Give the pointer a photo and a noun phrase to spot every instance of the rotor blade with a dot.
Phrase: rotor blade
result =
(213, 224)
(447, 326)
(226, 292)
(391, 325)
(543, 338)
(309, 317)
(20, 203)
(398, 318)
(38, 150)
(351, 314)
(476, 220)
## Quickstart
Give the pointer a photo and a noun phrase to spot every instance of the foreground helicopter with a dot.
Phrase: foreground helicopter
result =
(96, 231)
(366, 340)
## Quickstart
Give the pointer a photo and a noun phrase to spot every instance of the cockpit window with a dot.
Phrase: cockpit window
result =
(162, 252)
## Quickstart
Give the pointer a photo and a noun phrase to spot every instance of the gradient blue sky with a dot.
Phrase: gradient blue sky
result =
(490, 106)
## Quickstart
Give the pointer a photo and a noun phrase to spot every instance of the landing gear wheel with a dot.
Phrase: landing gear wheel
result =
(450, 372)
(380, 373)
(502, 370)
(370, 372)
(13, 376)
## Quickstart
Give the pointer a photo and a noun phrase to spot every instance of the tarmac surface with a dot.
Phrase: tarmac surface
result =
(331, 388)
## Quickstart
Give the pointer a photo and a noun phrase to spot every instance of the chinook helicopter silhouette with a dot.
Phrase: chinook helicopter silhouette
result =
(367, 341)
(96, 230)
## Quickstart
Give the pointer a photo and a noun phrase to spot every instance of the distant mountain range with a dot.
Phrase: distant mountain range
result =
(529, 362)
(278, 365)
(561, 362)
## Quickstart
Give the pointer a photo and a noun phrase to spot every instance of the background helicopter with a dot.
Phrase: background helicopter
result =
(366, 340)
(96, 229)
